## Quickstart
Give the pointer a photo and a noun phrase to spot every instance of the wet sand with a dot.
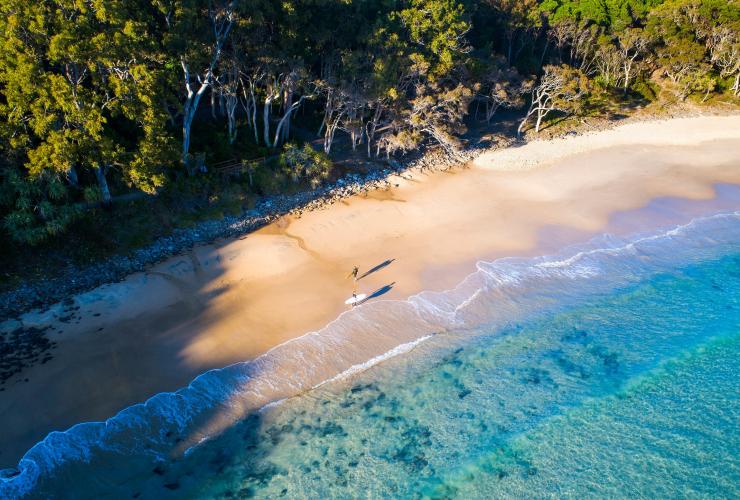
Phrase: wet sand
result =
(234, 300)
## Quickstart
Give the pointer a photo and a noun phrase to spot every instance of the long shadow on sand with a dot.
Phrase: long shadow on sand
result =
(377, 268)
(380, 291)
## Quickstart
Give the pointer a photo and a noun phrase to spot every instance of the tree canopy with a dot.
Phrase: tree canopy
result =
(99, 97)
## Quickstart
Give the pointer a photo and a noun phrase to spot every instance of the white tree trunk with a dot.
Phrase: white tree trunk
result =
(372, 127)
(253, 104)
(100, 173)
(231, 102)
(288, 107)
(627, 71)
(524, 121)
(285, 120)
(213, 103)
(331, 129)
(491, 108)
(221, 32)
(266, 119)
(540, 114)
(72, 176)
(191, 106)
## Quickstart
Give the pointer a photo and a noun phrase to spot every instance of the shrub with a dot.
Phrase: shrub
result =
(305, 164)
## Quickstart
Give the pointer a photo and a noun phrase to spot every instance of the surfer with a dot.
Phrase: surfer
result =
(355, 271)
(353, 274)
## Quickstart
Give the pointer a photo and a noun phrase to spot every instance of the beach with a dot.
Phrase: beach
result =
(234, 300)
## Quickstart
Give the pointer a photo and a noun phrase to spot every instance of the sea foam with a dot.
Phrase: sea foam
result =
(170, 424)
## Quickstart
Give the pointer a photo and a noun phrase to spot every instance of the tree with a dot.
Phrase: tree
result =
(501, 86)
(724, 47)
(558, 90)
(632, 45)
(434, 113)
(436, 30)
(515, 19)
(677, 28)
(608, 62)
(189, 21)
(79, 86)
(717, 24)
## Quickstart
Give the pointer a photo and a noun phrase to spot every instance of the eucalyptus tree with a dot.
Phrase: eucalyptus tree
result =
(632, 47)
(516, 20)
(679, 53)
(197, 34)
(559, 89)
(432, 98)
(495, 85)
(78, 86)
(717, 24)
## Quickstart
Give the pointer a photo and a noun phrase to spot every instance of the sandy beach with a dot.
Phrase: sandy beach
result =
(234, 300)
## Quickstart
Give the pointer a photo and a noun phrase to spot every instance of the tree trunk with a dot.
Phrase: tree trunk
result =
(519, 129)
(231, 102)
(100, 173)
(72, 177)
(540, 114)
(285, 120)
(331, 129)
(328, 112)
(372, 127)
(213, 103)
(191, 105)
(288, 112)
(627, 69)
(491, 109)
(266, 119)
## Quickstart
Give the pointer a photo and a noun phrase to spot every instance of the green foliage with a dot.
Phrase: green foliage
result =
(39, 207)
(437, 32)
(305, 164)
(692, 39)
(99, 86)
(79, 93)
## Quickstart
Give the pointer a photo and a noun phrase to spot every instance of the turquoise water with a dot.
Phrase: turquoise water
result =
(632, 395)
(611, 371)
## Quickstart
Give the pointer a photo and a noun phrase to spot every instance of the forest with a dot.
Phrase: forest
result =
(104, 99)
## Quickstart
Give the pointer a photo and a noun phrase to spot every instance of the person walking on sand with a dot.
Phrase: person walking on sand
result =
(353, 274)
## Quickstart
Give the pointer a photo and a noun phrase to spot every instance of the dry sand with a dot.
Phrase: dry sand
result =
(233, 300)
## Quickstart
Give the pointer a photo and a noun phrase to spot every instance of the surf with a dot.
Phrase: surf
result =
(496, 294)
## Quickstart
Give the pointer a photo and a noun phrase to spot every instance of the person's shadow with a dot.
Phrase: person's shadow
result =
(377, 293)
(377, 268)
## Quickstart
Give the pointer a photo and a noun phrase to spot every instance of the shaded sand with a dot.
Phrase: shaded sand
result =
(234, 300)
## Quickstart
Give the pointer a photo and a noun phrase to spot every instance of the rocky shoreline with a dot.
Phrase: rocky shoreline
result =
(45, 292)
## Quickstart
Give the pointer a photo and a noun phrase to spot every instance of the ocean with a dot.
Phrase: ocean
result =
(608, 370)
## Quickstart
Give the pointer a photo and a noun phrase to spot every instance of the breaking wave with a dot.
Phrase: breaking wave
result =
(498, 292)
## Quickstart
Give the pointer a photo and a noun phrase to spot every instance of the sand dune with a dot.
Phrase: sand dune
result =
(233, 300)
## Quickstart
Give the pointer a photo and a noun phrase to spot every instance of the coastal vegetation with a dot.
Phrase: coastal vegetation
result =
(120, 120)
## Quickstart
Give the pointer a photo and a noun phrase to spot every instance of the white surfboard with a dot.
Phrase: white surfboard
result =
(352, 301)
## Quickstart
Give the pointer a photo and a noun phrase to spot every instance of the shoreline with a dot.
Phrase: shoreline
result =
(235, 300)
(40, 293)
(206, 422)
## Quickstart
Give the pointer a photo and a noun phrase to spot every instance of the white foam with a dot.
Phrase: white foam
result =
(357, 340)
(361, 367)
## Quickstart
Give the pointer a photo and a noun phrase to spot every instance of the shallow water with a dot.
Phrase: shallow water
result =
(608, 371)
(634, 394)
